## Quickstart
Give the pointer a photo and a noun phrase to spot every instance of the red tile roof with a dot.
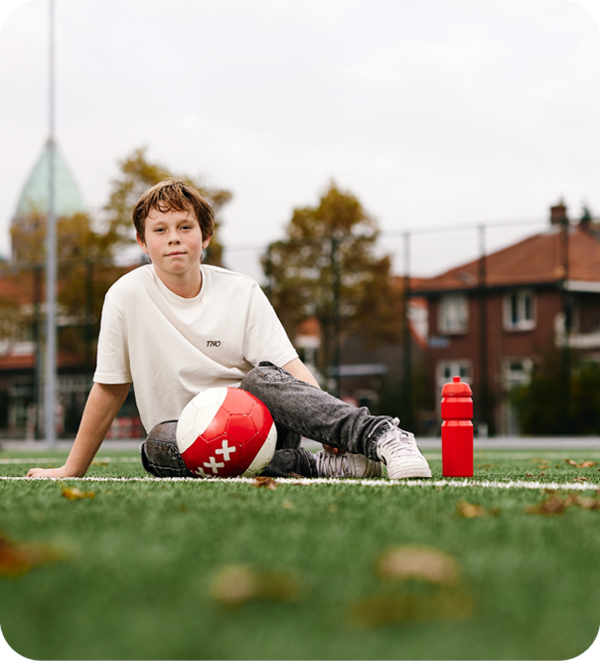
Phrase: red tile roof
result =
(535, 260)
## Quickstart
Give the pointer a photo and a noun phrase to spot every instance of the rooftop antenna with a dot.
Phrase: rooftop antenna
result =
(50, 382)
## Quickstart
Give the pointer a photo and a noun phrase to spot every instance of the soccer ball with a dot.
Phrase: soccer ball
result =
(226, 432)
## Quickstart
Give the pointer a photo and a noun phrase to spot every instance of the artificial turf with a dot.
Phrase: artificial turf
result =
(135, 566)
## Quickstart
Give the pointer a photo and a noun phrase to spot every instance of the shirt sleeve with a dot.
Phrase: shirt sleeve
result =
(112, 364)
(265, 338)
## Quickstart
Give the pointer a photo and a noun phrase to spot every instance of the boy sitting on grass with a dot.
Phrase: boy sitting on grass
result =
(175, 327)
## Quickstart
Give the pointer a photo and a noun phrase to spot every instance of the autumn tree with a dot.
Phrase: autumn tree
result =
(137, 174)
(327, 267)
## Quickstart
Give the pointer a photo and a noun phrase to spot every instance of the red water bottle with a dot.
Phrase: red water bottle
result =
(457, 429)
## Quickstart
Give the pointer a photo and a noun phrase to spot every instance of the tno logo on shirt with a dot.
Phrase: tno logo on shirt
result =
(213, 343)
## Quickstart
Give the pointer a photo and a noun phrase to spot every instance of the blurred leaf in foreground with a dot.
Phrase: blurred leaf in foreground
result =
(469, 511)
(236, 584)
(418, 562)
(557, 505)
(17, 559)
(411, 606)
(426, 587)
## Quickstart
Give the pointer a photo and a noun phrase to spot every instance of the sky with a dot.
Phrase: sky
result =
(436, 114)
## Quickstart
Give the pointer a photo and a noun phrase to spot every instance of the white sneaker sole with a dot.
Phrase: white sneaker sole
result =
(410, 470)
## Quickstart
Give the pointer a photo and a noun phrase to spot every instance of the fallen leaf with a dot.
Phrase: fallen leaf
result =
(287, 505)
(470, 511)
(418, 562)
(583, 464)
(332, 508)
(99, 463)
(267, 482)
(549, 506)
(236, 584)
(384, 609)
(17, 558)
(586, 502)
(73, 493)
(581, 479)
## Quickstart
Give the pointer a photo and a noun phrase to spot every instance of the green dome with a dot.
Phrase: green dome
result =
(34, 198)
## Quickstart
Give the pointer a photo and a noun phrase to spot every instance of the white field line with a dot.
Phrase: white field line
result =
(479, 455)
(305, 481)
(55, 460)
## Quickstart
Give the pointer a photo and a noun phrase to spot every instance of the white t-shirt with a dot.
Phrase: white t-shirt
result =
(172, 348)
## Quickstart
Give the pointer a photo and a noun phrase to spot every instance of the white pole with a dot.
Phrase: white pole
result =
(50, 384)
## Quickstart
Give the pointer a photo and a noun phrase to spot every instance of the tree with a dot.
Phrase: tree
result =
(552, 404)
(327, 268)
(138, 174)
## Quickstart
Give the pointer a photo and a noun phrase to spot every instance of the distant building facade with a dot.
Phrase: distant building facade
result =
(490, 320)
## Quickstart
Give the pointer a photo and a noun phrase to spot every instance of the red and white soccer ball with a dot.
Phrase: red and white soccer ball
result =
(226, 432)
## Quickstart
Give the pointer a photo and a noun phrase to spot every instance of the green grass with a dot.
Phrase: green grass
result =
(140, 558)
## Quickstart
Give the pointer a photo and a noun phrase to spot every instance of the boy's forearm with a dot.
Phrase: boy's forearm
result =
(102, 406)
(299, 370)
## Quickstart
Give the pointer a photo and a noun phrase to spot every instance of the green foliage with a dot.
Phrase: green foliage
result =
(327, 265)
(563, 396)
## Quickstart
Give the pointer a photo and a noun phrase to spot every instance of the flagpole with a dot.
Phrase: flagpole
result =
(50, 381)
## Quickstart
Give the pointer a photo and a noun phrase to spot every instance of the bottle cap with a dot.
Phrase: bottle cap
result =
(456, 388)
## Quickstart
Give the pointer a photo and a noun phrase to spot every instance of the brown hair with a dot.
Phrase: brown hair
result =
(173, 195)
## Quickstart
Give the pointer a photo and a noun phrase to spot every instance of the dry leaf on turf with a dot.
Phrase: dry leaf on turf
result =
(586, 502)
(549, 506)
(267, 482)
(236, 584)
(73, 493)
(409, 606)
(583, 464)
(17, 559)
(420, 563)
(469, 511)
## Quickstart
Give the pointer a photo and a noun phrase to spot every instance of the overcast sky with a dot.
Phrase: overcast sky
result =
(434, 113)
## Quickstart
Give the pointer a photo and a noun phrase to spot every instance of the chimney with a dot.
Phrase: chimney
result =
(558, 214)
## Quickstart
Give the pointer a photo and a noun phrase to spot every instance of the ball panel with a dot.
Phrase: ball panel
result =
(197, 414)
(226, 434)
(264, 454)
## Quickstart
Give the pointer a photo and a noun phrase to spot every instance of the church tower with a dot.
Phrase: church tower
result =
(28, 225)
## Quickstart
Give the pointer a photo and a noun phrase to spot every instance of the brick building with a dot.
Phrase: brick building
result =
(490, 320)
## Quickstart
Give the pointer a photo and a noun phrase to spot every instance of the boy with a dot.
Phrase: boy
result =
(176, 327)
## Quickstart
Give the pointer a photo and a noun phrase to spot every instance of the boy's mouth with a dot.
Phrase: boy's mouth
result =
(175, 253)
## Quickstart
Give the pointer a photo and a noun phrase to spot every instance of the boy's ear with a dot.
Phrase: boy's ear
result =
(141, 243)
(206, 242)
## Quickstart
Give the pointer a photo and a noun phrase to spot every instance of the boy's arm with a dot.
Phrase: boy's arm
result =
(299, 370)
(101, 408)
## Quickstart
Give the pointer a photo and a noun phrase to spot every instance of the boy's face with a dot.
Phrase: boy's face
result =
(173, 241)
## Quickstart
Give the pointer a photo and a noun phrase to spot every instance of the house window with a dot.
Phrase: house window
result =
(446, 369)
(517, 372)
(519, 310)
(453, 314)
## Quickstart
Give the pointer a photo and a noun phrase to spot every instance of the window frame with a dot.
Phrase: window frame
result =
(520, 310)
(453, 314)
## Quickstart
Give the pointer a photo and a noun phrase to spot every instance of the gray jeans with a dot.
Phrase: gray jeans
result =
(298, 410)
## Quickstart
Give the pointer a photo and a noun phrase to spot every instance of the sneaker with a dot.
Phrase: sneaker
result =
(399, 452)
(346, 465)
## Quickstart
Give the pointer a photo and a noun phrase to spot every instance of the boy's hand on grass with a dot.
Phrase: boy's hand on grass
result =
(49, 472)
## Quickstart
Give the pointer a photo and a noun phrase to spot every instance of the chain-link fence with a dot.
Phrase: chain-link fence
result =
(453, 324)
